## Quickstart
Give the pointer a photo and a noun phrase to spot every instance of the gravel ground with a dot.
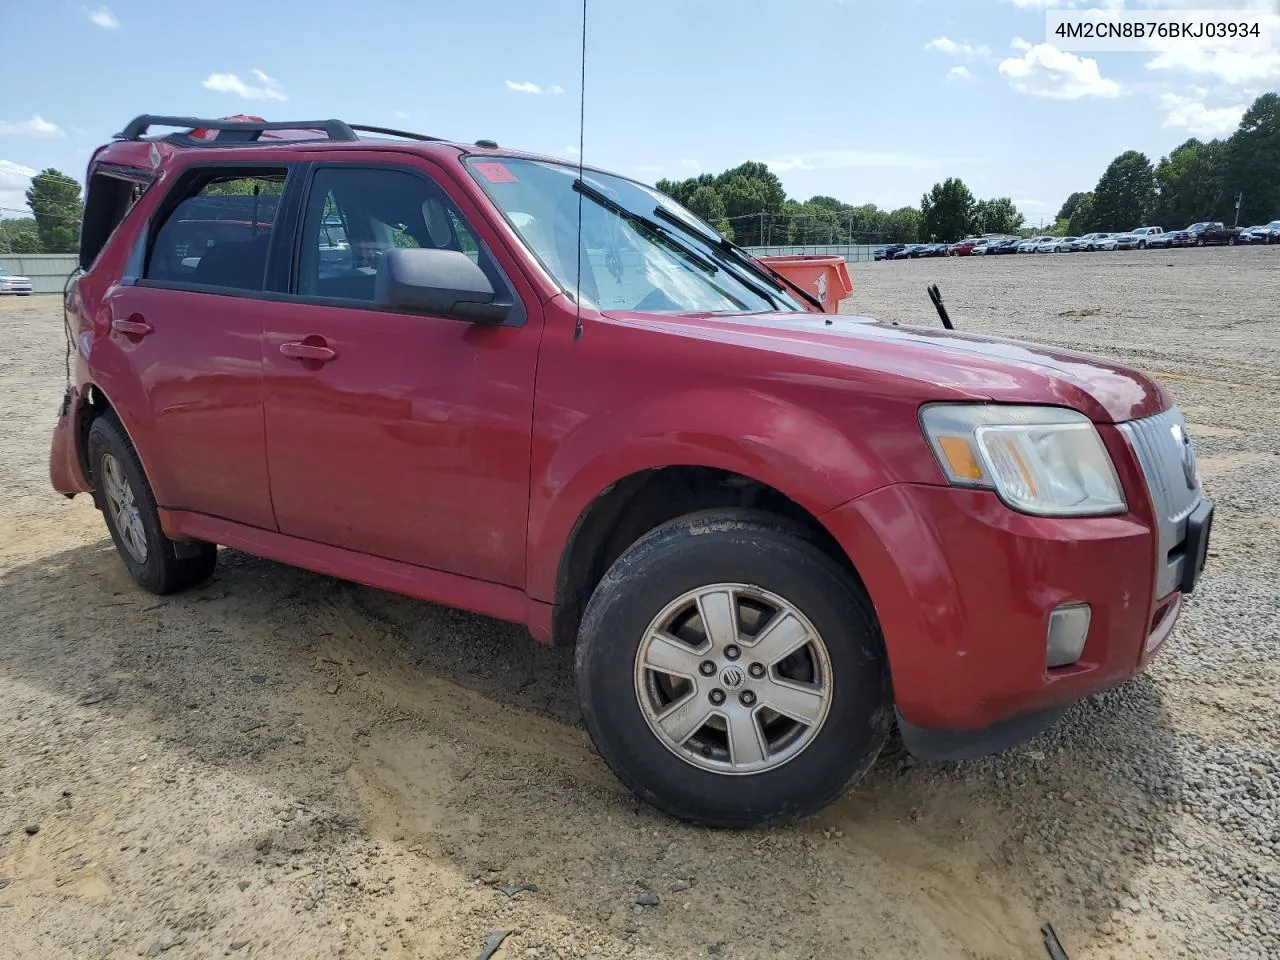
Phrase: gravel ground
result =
(283, 765)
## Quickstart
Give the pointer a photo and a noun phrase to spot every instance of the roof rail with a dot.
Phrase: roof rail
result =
(230, 132)
(389, 132)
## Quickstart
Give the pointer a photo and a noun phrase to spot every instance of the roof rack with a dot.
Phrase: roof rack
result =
(231, 132)
(389, 132)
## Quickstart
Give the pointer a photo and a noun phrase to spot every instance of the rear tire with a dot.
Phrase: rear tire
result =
(732, 762)
(121, 491)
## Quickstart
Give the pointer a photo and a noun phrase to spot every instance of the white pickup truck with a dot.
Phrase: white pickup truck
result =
(1139, 238)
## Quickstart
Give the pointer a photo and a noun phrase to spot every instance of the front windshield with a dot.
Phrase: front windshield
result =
(626, 265)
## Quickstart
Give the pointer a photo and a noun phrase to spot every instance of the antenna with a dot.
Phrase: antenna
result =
(582, 119)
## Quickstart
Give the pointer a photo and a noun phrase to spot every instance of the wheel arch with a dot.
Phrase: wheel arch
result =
(635, 504)
(97, 403)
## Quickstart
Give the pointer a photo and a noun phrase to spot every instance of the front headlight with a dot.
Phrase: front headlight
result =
(1048, 461)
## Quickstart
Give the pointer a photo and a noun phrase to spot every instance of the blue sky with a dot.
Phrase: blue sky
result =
(865, 100)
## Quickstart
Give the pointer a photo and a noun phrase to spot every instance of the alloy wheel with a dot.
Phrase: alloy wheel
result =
(124, 508)
(733, 679)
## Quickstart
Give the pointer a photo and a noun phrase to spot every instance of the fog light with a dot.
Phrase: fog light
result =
(1068, 628)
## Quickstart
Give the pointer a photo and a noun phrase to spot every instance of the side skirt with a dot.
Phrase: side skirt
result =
(467, 593)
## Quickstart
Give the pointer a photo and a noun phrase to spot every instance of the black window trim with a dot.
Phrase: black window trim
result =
(180, 191)
(518, 315)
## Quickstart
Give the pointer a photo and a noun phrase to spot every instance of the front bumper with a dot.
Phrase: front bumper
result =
(963, 588)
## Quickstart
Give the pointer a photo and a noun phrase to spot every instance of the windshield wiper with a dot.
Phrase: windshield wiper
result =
(657, 229)
(739, 255)
(667, 237)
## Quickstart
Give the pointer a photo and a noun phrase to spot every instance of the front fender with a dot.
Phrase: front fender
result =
(791, 449)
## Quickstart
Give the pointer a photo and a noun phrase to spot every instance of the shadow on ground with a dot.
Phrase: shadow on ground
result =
(459, 736)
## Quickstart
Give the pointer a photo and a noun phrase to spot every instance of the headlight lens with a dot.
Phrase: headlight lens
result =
(1041, 460)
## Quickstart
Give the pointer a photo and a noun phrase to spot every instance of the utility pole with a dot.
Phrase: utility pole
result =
(762, 228)
(1239, 200)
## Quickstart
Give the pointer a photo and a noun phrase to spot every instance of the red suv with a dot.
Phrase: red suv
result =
(556, 397)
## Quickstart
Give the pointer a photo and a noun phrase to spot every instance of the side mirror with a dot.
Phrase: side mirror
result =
(443, 283)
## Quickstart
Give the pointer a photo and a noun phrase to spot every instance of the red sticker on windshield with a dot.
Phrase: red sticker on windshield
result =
(495, 172)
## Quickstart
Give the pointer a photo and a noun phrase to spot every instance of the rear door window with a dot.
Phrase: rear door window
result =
(218, 233)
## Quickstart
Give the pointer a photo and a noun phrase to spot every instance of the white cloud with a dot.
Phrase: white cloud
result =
(571, 150)
(14, 180)
(526, 86)
(1234, 67)
(1191, 114)
(400, 115)
(963, 48)
(268, 88)
(37, 126)
(690, 164)
(1046, 71)
(958, 74)
(1032, 205)
(1066, 4)
(847, 159)
(103, 17)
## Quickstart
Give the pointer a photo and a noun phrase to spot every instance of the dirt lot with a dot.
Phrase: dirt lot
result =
(283, 765)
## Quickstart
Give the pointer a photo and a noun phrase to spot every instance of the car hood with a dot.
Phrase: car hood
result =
(11, 278)
(960, 365)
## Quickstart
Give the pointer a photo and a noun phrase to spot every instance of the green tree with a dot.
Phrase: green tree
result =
(1191, 186)
(902, 225)
(947, 210)
(1125, 195)
(54, 198)
(1254, 162)
(19, 236)
(706, 203)
(996, 216)
(1082, 219)
(1072, 202)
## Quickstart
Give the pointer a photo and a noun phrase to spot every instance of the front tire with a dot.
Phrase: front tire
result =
(158, 564)
(731, 673)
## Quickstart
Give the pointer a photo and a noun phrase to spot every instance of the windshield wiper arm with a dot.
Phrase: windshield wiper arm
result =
(740, 256)
(653, 227)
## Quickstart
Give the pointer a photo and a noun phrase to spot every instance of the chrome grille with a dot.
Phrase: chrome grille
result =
(1162, 454)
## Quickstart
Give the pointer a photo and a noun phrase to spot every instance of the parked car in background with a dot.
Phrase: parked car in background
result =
(1001, 247)
(1138, 238)
(1087, 243)
(966, 247)
(1051, 245)
(12, 284)
(1266, 233)
(1210, 233)
(886, 253)
(832, 529)
(1160, 240)
(1106, 241)
(993, 245)
(909, 251)
(935, 250)
(1029, 245)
